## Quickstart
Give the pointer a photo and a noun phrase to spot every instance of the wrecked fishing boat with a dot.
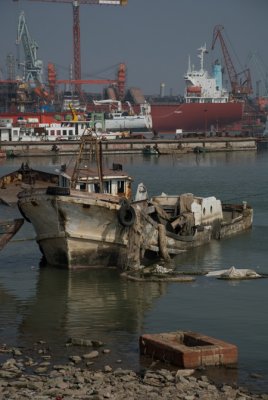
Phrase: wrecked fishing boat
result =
(85, 220)
(25, 176)
(90, 219)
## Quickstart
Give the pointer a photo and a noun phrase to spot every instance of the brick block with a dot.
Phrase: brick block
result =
(188, 349)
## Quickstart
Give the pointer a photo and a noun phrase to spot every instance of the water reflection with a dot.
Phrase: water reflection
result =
(91, 304)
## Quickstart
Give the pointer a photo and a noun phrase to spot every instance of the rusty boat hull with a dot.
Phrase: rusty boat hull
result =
(77, 230)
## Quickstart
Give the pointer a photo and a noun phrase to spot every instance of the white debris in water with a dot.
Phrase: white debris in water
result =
(234, 273)
(161, 270)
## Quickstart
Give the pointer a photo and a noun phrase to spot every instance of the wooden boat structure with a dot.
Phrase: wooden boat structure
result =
(24, 177)
(91, 219)
(8, 229)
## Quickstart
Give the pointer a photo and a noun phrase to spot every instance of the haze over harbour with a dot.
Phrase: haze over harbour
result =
(153, 37)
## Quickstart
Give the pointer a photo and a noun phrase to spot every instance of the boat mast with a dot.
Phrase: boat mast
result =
(90, 146)
(99, 163)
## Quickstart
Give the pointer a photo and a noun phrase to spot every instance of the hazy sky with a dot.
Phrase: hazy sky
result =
(153, 37)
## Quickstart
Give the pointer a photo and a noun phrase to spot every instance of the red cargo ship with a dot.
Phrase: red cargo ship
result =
(168, 117)
(206, 105)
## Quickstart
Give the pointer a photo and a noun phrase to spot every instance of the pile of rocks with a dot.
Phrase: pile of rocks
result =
(22, 378)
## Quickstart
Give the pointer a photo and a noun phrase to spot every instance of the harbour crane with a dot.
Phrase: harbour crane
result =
(261, 70)
(240, 82)
(33, 66)
(76, 27)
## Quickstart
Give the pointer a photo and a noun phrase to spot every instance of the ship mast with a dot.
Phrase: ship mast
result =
(90, 147)
(203, 50)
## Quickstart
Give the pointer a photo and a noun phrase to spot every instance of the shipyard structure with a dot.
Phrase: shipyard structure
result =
(205, 106)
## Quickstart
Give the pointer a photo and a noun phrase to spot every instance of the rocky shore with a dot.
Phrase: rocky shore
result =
(22, 378)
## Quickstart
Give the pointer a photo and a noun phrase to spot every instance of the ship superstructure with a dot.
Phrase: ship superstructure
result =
(203, 88)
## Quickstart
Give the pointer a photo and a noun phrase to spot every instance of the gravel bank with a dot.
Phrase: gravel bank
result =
(22, 378)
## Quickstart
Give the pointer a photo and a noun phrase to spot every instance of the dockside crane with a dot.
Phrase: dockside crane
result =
(241, 84)
(261, 70)
(76, 27)
(33, 66)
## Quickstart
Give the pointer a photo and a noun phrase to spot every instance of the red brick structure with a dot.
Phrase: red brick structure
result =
(188, 349)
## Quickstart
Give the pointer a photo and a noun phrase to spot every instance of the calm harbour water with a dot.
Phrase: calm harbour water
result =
(39, 303)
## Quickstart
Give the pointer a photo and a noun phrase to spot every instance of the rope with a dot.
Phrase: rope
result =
(163, 242)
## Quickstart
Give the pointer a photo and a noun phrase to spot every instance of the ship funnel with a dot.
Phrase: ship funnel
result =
(162, 89)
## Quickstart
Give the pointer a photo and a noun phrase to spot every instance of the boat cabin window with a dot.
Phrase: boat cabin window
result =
(97, 187)
(64, 181)
(83, 187)
(107, 187)
(120, 186)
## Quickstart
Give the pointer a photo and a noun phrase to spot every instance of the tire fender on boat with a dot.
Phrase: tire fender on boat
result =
(58, 191)
(126, 214)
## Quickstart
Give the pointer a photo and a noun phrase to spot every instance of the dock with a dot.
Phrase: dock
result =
(134, 146)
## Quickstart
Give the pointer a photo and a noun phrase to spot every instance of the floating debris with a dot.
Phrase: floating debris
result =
(156, 273)
(234, 273)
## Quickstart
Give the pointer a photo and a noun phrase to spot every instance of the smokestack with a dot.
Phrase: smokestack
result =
(162, 89)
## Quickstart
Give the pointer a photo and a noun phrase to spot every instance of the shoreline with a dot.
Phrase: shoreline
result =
(22, 377)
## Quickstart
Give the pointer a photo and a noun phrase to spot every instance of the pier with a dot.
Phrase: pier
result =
(134, 146)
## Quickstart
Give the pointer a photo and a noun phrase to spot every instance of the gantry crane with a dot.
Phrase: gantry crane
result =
(240, 82)
(261, 70)
(76, 27)
(33, 66)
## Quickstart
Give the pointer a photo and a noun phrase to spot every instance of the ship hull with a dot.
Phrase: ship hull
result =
(75, 231)
(168, 117)
(90, 230)
(192, 117)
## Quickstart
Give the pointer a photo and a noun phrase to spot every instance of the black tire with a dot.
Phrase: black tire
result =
(56, 190)
(126, 215)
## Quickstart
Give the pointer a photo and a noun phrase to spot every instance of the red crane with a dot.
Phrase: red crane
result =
(76, 26)
(240, 82)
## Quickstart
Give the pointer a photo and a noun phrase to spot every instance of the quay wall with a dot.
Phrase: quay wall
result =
(134, 146)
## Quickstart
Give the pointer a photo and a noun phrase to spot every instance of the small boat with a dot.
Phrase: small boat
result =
(84, 221)
(91, 219)
(150, 150)
(200, 149)
(25, 176)
(120, 119)
(8, 229)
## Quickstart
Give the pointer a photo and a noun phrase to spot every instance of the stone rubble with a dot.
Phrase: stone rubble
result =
(71, 381)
